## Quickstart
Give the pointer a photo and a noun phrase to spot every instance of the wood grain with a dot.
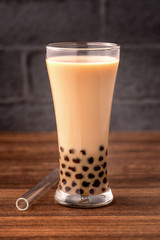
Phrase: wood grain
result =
(134, 175)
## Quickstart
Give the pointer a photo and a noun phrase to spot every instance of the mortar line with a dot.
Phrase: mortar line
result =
(145, 101)
(102, 13)
(24, 75)
(24, 48)
(40, 48)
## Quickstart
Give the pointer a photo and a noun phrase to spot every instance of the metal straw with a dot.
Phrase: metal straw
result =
(30, 197)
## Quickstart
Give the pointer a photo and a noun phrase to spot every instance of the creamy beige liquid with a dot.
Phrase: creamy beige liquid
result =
(82, 90)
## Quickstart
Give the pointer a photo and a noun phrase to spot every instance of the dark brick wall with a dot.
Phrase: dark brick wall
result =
(27, 26)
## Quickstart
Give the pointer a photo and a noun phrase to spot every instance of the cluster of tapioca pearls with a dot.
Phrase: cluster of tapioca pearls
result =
(84, 179)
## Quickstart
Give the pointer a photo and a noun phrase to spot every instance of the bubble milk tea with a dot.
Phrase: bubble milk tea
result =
(82, 89)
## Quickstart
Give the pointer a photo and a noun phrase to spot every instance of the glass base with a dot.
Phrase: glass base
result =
(78, 201)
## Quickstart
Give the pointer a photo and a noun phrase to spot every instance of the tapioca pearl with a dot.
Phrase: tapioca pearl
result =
(85, 184)
(76, 160)
(71, 151)
(103, 189)
(79, 191)
(90, 160)
(96, 183)
(79, 176)
(62, 149)
(61, 172)
(91, 191)
(91, 175)
(85, 169)
(60, 187)
(101, 158)
(104, 164)
(105, 180)
(97, 168)
(106, 171)
(67, 189)
(101, 148)
(64, 181)
(106, 152)
(73, 169)
(101, 174)
(74, 184)
(67, 174)
(83, 152)
(66, 158)
(63, 165)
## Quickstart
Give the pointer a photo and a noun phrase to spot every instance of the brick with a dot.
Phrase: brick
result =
(12, 117)
(27, 117)
(133, 21)
(40, 117)
(11, 81)
(138, 74)
(48, 21)
(38, 77)
(133, 117)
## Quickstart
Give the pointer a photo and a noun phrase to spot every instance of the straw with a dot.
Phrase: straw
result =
(30, 197)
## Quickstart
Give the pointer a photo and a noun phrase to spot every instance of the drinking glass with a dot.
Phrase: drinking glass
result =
(82, 78)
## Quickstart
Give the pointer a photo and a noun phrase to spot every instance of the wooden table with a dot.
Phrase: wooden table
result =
(134, 173)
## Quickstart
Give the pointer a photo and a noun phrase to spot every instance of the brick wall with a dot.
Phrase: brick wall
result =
(27, 26)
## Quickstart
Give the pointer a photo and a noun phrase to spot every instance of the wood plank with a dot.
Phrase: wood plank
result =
(82, 226)
(132, 202)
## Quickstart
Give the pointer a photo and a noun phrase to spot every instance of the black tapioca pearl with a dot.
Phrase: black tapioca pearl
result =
(79, 176)
(73, 169)
(90, 160)
(79, 191)
(76, 160)
(91, 175)
(104, 164)
(67, 174)
(101, 148)
(62, 149)
(105, 180)
(71, 151)
(91, 191)
(106, 171)
(60, 187)
(66, 158)
(85, 169)
(96, 183)
(101, 174)
(106, 152)
(63, 165)
(103, 189)
(100, 158)
(61, 172)
(85, 184)
(97, 167)
(67, 189)
(74, 184)
(64, 181)
(83, 152)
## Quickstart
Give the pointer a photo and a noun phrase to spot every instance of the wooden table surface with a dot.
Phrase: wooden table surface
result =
(134, 176)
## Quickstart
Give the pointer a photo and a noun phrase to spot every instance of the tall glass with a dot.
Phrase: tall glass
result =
(82, 78)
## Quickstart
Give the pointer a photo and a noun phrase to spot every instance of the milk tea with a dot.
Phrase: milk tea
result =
(82, 89)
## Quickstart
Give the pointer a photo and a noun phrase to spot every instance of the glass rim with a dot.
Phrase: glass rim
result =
(83, 46)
